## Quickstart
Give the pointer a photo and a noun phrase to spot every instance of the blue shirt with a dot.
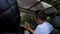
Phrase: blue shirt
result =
(44, 28)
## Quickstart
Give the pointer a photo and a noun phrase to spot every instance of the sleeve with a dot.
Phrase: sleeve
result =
(37, 31)
(41, 30)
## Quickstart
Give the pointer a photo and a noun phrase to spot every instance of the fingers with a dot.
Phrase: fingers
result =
(27, 25)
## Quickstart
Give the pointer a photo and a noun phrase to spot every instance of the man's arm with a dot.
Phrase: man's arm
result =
(29, 28)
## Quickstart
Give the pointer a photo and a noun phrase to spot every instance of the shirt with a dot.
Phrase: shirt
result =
(44, 28)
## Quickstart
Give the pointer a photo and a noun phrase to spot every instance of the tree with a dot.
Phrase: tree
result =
(55, 3)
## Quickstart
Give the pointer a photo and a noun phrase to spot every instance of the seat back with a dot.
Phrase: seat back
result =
(56, 24)
(9, 16)
(55, 31)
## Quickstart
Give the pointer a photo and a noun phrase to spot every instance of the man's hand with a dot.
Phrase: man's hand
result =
(27, 26)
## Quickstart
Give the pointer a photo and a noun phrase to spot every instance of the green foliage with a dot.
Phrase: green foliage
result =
(55, 3)
(29, 18)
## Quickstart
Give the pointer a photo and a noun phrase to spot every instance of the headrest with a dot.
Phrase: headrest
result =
(56, 22)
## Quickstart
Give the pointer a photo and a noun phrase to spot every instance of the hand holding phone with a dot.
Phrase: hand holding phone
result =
(27, 26)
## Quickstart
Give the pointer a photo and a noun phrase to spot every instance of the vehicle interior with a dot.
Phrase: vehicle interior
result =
(53, 15)
(14, 15)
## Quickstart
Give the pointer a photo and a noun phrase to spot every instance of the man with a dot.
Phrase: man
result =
(43, 27)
